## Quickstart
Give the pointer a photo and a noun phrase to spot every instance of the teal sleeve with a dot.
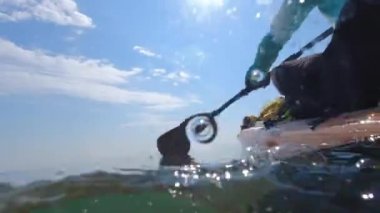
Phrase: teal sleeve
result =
(289, 18)
(331, 9)
(266, 53)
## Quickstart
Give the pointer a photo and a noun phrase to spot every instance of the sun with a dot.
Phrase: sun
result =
(203, 10)
(206, 5)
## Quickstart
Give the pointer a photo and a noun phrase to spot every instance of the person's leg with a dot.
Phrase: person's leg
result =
(331, 8)
(299, 81)
(352, 80)
(345, 77)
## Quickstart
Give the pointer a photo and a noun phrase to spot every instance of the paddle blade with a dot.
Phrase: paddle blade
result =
(176, 160)
(174, 142)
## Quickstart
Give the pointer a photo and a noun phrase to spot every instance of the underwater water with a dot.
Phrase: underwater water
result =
(341, 179)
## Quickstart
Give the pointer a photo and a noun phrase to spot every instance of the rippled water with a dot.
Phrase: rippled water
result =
(343, 179)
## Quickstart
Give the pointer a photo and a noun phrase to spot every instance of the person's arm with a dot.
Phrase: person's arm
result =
(289, 18)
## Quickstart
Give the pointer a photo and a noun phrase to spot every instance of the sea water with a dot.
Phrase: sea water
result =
(342, 179)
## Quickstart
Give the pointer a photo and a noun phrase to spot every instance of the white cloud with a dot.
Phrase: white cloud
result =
(180, 77)
(175, 78)
(61, 12)
(158, 72)
(147, 52)
(74, 35)
(137, 69)
(24, 71)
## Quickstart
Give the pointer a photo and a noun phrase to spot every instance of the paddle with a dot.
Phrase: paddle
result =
(202, 127)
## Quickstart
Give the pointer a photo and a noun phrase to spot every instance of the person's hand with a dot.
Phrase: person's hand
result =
(255, 78)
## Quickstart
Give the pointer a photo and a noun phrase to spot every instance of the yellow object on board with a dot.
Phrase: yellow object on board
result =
(271, 110)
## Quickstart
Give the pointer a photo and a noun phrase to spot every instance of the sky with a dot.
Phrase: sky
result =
(91, 84)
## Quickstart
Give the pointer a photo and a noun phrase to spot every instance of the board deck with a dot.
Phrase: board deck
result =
(344, 129)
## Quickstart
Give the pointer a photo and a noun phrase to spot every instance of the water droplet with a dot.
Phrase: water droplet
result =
(269, 209)
(228, 166)
(373, 138)
(227, 175)
(371, 196)
(256, 76)
(368, 196)
(183, 175)
(299, 153)
(172, 192)
(258, 157)
(258, 15)
(366, 164)
(192, 167)
(214, 175)
(200, 129)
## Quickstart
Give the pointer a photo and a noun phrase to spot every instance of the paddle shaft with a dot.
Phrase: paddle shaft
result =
(239, 95)
(294, 56)
(311, 44)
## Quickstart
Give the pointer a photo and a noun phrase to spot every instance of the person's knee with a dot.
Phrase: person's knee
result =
(292, 77)
(287, 79)
(279, 78)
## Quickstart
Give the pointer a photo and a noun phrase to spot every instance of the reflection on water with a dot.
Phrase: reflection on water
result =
(343, 179)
